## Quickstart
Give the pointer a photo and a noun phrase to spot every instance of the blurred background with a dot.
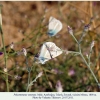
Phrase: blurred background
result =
(25, 24)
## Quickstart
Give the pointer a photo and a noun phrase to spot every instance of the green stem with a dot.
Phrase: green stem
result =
(75, 39)
(87, 63)
(29, 71)
(31, 83)
(73, 52)
(28, 81)
(77, 42)
(5, 59)
(89, 68)
(5, 56)
(46, 77)
(45, 74)
(5, 73)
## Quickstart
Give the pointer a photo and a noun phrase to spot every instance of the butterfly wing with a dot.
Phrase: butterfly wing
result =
(54, 26)
(44, 55)
(48, 51)
(56, 51)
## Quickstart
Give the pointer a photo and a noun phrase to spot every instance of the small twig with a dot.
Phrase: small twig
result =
(91, 13)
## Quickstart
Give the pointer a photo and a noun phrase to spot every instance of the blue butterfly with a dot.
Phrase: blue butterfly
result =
(48, 51)
(54, 26)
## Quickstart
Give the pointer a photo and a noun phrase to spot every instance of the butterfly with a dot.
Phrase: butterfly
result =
(54, 26)
(48, 51)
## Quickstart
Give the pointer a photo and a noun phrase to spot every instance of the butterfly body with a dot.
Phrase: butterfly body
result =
(52, 32)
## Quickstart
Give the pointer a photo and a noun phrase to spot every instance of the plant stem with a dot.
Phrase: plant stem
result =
(75, 38)
(29, 71)
(5, 56)
(89, 68)
(28, 81)
(77, 42)
(5, 73)
(87, 63)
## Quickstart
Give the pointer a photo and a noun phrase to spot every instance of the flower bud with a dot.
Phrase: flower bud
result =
(86, 27)
(17, 77)
(5, 69)
(92, 44)
(70, 30)
(59, 86)
(12, 45)
(24, 52)
(40, 74)
(71, 72)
